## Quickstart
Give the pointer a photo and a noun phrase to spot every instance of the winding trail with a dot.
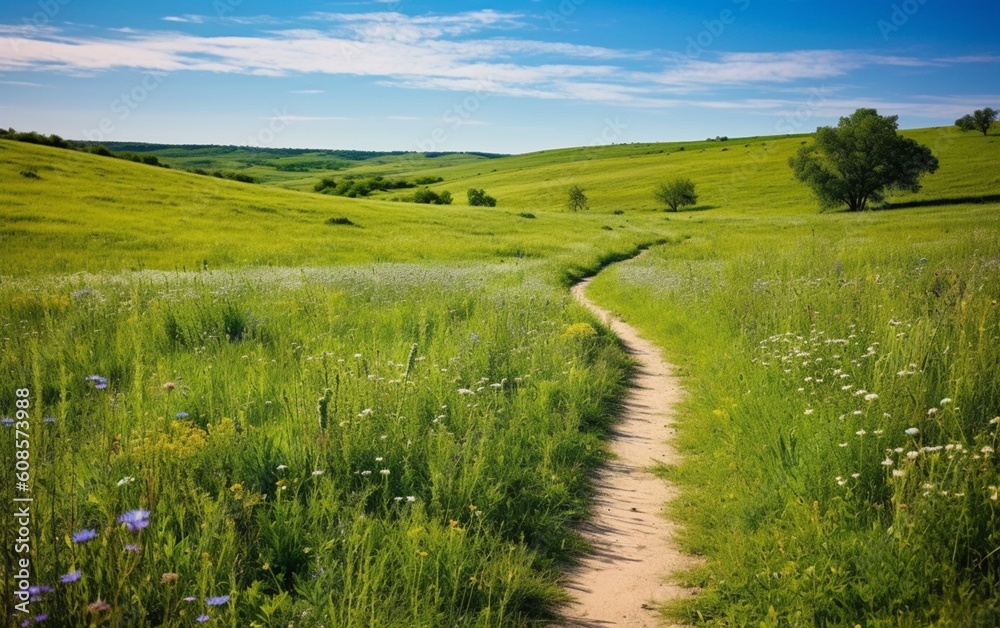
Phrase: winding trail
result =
(625, 577)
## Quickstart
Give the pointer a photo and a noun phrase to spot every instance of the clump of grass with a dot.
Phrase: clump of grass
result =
(30, 173)
(340, 220)
(527, 215)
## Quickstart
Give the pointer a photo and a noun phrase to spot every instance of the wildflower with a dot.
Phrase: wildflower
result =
(201, 619)
(190, 598)
(366, 473)
(84, 535)
(7, 421)
(217, 601)
(72, 576)
(397, 499)
(379, 459)
(99, 606)
(100, 383)
(841, 481)
(808, 411)
(932, 412)
(317, 473)
(987, 450)
(913, 455)
(878, 432)
(855, 475)
(133, 548)
(40, 618)
(384, 472)
(135, 520)
(465, 391)
(861, 432)
(49, 419)
(169, 578)
(912, 431)
(282, 467)
(995, 421)
(945, 401)
(128, 479)
(842, 445)
(888, 462)
(182, 415)
(357, 355)
(169, 386)
(871, 397)
(847, 387)
(411, 498)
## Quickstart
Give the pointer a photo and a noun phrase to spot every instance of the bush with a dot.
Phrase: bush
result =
(676, 193)
(527, 215)
(340, 220)
(479, 198)
(429, 197)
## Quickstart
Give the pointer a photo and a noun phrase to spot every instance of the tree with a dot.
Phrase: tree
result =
(856, 163)
(577, 199)
(676, 193)
(479, 198)
(979, 120)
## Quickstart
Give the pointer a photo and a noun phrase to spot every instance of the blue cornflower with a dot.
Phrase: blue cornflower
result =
(217, 601)
(72, 576)
(49, 419)
(201, 619)
(40, 618)
(100, 383)
(182, 415)
(84, 535)
(7, 421)
(135, 520)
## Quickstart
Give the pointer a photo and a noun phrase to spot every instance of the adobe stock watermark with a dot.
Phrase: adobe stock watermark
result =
(266, 134)
(793, 121)
(31, 26)
(457, 115)
(125, 105)
(700, 43)
(563, 12)
(900, 15)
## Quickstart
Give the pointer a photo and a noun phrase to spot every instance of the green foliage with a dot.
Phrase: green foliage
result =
(430, 197)
(676, 193)
(340, 220)
(390, 445)
(859, 161)
(840, 429)
(577, 200)
(479, 198)
(980, 120)
(355, 187)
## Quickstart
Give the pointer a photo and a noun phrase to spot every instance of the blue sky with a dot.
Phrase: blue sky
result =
(503, 77)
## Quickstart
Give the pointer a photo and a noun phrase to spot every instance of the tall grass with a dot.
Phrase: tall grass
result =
(842, 423)
(383, 447)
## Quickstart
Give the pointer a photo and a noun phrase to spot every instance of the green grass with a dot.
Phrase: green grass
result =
(279, 318)
(810, 346)
(383, 446)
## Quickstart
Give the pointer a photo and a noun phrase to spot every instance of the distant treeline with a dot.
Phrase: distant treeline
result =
(54, 141)
(350, 155)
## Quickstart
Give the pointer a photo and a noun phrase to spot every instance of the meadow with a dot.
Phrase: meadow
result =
(248, 411)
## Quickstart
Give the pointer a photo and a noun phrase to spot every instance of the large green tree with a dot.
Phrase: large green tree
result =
(676, 193)
(979, 120)
(857, 162)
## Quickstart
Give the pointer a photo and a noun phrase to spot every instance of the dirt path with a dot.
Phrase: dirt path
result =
(626, 576)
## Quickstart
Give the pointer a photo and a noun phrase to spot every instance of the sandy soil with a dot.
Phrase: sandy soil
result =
(628, 573)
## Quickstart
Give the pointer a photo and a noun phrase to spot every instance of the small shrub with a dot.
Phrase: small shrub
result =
(618, 212)
(527, 215)
(30, 173)
(340, 220)
(479, 198)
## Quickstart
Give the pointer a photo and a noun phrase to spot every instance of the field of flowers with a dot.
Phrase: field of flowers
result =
(841, 428)
(394, 445)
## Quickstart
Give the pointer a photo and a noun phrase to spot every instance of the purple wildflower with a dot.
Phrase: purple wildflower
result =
(100, 383)
(217, 601)
(135, 520)
(84, 535)
(72, 576)
(40, 618)
(7, 421)
(133, 548)
(190, 598)
(49, 419)
(201, 619)
(182, 415)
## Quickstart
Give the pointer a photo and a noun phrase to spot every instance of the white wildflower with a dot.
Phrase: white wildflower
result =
(912, 431)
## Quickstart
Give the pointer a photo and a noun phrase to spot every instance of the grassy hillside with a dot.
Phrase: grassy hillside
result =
(80, 212)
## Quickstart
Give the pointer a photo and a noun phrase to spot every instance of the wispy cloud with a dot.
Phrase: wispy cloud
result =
(472, 51)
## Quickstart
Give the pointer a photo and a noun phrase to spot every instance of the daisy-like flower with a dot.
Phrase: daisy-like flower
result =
(912, 431)
(366, 473)
(898, 473)
(135, 520)
(317, 472)
(100, 383)
(384, 472)
(871, 397)
(861, 432)
(72, 576)
(411, 498)
(888, 462)
(7, 421)
(84, 535)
